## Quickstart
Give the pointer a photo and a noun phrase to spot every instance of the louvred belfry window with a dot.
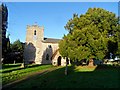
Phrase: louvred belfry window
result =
(35, 32)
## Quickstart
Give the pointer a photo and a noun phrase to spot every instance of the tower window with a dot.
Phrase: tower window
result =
(35, 32)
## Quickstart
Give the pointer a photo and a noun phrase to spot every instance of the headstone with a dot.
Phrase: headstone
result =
(22, 65)
(90, 62)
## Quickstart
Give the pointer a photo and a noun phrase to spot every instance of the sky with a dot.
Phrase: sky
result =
(52, 15)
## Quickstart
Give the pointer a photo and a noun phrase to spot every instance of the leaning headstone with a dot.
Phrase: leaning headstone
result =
(91, 62)
(22, 65)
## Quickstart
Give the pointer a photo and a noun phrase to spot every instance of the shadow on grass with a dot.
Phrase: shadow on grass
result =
(107, 67)
(18, 67)
(5, 66)
(34, 65)
(102, 77)
(6, 71)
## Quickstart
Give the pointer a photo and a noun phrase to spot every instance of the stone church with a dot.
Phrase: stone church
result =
(40, 50)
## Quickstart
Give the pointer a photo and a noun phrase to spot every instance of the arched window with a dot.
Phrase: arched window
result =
(35, 32)
(47, 57)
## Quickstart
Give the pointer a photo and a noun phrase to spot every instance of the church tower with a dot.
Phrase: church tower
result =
(34, 38)
(34, 34)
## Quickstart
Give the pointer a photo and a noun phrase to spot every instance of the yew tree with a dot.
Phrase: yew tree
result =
(89, 35)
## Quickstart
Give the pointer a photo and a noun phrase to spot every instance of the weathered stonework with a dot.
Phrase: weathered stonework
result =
(41, 50)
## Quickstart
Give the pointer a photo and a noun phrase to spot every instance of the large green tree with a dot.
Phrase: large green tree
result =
(118, 39)
(89, 35)
(17, 49)
(15, 53)
(17, 46)
(5, 41)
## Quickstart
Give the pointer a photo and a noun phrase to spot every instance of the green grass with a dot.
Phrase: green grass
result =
(10, 67)
(14, 72)
(78, 77)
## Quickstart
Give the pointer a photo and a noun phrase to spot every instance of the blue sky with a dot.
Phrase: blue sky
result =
(53, 16)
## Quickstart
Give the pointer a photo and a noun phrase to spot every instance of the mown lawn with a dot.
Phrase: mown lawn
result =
(14, 72)
(78, 77)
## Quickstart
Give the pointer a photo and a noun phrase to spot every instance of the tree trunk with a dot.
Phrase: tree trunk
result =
(66, 69)
(91, 62)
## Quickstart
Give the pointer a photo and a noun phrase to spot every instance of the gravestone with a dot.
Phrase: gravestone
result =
(91, 62)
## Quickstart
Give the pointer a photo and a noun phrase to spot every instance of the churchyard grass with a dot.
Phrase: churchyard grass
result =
(14, 72)
(78, 77)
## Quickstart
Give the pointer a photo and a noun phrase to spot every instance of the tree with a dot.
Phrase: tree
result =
(15, 53)
(4, 25)
(4, 28)
(17, 46)
(89, 35)
(118, 39)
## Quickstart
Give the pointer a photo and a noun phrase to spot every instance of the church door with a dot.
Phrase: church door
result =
(59, 60)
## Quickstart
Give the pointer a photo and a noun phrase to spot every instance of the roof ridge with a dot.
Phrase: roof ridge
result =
(51, 38)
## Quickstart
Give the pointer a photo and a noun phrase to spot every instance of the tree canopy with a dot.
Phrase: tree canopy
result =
(89, 35)
(4, 24)
(14, 53)
(17, 46)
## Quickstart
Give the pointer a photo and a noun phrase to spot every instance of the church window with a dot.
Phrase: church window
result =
(47, 57)
(34, 37)
(35, 32)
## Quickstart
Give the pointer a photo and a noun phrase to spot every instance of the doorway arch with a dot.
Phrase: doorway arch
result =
(59, 61)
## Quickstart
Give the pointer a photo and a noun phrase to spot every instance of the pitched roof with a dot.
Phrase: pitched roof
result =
(53, 56)
(51, 40)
